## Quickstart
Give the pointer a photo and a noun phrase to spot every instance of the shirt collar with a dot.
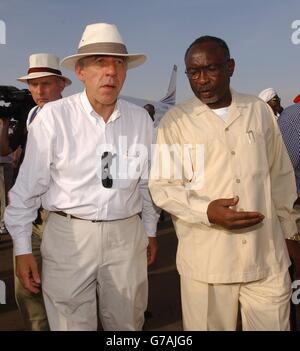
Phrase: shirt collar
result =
(198, 107)
(93, 115)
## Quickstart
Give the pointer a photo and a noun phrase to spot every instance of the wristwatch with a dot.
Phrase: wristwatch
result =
(295, 237)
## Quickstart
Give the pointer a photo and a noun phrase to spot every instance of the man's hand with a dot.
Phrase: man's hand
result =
(220, 213)
(151, 250)
(26, 271)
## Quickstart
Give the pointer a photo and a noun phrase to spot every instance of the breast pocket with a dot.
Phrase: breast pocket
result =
(253, 147)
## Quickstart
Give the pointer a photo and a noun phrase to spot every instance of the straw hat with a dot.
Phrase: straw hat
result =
(43, 65)
(102, 39)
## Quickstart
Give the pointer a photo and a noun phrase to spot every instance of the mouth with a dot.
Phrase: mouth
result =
(108, 86)
(206, 93)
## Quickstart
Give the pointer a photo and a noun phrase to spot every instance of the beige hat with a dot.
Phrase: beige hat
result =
(102, 39)
(43, 65)
(267, 94)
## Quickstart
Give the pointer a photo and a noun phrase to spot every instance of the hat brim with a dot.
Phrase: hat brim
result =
(133, 60)
(35, 75)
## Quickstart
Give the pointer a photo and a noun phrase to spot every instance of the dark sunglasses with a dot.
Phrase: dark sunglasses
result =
(106, 177)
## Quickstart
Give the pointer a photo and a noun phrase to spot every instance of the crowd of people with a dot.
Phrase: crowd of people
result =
(84, 208)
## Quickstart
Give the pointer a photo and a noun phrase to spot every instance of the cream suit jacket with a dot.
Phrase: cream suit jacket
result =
(244, 156)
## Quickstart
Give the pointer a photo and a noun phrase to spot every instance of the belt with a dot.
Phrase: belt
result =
(61, 213)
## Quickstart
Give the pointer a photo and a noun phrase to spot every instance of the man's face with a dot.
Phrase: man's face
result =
(46, 89)
(274, 103)
(103, 77)
(209, 73)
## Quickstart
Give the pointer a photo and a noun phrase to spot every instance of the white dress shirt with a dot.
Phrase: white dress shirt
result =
(62, 167)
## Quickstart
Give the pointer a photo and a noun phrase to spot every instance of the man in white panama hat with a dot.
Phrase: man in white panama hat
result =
(46, 83)
(89, 164)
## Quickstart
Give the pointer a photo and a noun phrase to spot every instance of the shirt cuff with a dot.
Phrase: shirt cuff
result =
(150, 229)
(198, 216)
(22, 246)
(204, 218)
(151, 235)
(289, 228)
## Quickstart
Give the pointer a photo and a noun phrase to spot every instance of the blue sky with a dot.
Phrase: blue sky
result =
(258, 34)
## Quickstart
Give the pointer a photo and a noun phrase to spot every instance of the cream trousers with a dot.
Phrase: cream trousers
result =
(80, 259)
(265, 304)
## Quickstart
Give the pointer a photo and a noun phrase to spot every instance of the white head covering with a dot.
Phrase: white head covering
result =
(267, 94)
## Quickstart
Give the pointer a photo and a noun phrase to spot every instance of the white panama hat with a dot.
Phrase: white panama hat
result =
(102, 39)
(43, 65)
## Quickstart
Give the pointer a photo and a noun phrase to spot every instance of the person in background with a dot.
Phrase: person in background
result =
(289, 124)
(296, 99)
(151, 110)
(46, 83)
(271, 97)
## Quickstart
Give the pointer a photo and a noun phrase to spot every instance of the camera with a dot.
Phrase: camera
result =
(20, 102)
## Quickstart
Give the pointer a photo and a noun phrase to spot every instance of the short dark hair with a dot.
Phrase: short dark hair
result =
(149, 105)
(151, 110)
(208, 38)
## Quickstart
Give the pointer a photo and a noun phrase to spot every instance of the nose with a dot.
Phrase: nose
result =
(111, 68)
(39, 90)
(203, 77)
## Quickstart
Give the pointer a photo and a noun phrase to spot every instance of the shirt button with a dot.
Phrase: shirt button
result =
(232, 152)
(238, 180)
(244, 242)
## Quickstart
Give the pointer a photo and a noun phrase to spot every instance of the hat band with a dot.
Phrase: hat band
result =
(44, 69)
(104, 48)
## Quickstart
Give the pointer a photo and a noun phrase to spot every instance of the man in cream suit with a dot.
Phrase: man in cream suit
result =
(232, 206)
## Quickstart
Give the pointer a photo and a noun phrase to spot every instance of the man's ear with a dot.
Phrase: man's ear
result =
(79, 70)
(230, 66)
(62, 84)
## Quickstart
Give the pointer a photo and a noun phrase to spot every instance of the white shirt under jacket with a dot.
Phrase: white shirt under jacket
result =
(62, 167)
